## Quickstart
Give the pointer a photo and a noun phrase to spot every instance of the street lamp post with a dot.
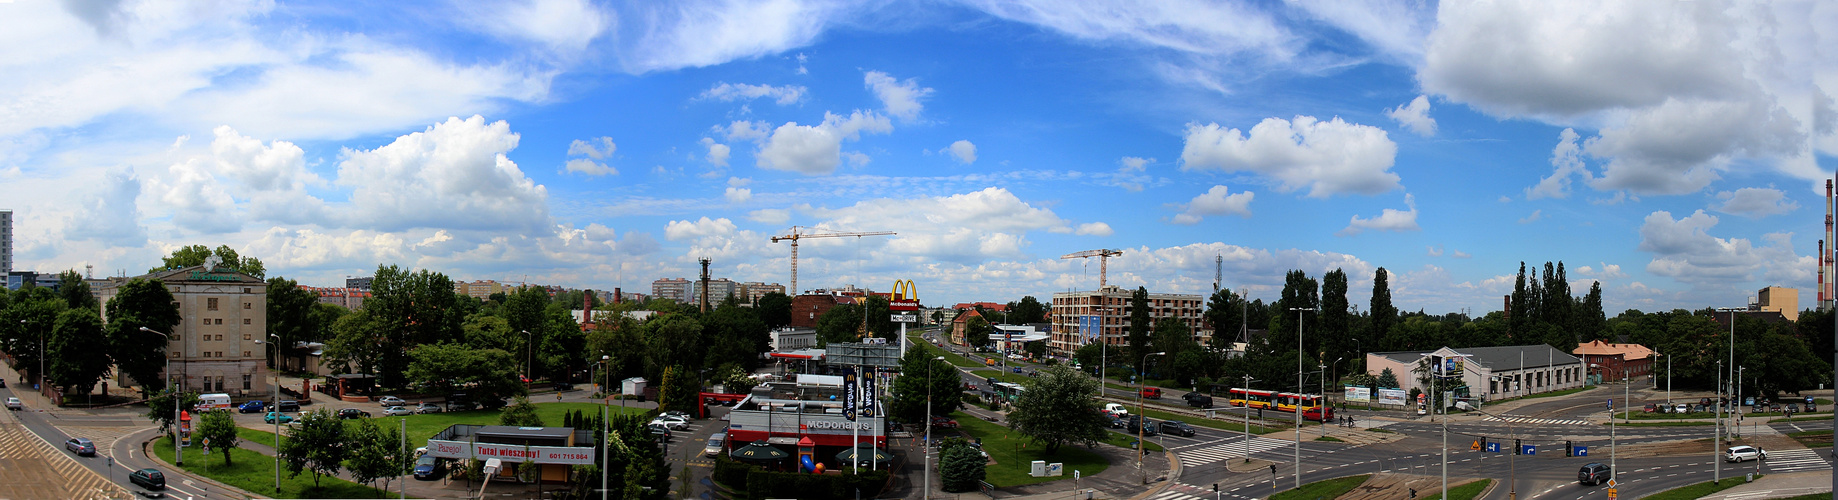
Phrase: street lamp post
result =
(1300, 354)
(529, 354)
(1142, 419)
(1247, 419)
(1512, 460)
(177, 451)
(1717, 466)
(930, 367)
(277, 414)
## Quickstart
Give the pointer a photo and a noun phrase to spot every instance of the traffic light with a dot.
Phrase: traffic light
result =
(1569, 450)
(1413, 493)
(1273, 468)
(1518, 449)
(1215, 487)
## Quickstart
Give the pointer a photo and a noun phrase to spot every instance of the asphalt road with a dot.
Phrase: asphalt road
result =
(126, 453)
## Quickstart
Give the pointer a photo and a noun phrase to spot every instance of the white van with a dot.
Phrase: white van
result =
(207, 402)
(1116, 410)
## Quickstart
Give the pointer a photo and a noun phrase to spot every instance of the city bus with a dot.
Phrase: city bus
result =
(1253, 398)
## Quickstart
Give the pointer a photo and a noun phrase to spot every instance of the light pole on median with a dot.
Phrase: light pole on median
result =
(277, 413)
(529, 354)
(929, 368)
(1716, 476)
(1512, 481)
(1142, 420)
(1300, 355)
(177, 451)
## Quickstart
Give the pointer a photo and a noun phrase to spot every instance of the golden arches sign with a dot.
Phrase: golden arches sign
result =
(904, 290)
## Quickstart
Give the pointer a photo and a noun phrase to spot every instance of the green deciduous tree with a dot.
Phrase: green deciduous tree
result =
(1225, 314)
(917, 372)
(292, 317)
(75, 291)
(141, 355)
(28, 323)
(159, 407)
(357, 343)
(196, 254)
(839, 324)
(880, 318)
(317, 445)
(1060, 406)
(490, 374)
(675, 339)
(679, 390)
(735, 336)
(976, 332)
(219, 427)
(1027, 310)
(409, 309)
(374, 452)
(76, 364)
(774, 309)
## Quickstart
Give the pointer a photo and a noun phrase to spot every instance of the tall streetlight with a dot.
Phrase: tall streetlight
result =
(1300, 354)
(277, 414)
(1142, 420)
(1247, 419)
(1717, 465)
(177, 451)
(605, 408)
(1512, 460)
(529, 354)
(930, 367)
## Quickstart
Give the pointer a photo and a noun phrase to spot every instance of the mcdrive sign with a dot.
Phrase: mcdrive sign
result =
(513, 452)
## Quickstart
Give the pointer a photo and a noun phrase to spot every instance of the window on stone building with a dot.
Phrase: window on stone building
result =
(248, 305)
(219, 321)
(247, 321)
(246, 378)
(210, 304)
(219, 355)
(245, 336)
(207, 321)
(245, 354)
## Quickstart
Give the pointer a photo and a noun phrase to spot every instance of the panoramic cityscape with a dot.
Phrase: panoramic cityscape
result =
(917, 249)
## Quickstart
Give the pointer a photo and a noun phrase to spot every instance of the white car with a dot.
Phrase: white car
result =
(672, 423)
(14, 404)
(389, 401)
(397, 411)
(1682, 408)
(1744, 454)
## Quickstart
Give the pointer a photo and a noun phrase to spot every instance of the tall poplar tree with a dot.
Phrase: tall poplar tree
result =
(1140, 327)
(1381, 314)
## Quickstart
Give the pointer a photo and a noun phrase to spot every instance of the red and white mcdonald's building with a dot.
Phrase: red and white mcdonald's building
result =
(786, 421)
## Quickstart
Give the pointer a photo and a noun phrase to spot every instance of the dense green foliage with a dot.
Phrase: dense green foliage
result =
(960, 466)
(918, 371)
(1060, 407)
(218, 427)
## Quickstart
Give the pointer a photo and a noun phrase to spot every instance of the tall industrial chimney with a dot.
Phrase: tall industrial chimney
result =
(1827, 271)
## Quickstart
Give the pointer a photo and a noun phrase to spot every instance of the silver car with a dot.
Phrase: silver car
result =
(715, 443)
(1744, 454)
(397, 411)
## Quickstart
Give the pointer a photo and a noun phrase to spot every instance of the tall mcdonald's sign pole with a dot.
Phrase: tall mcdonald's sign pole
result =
(904, 299)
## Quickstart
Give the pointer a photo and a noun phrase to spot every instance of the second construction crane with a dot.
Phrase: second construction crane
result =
(801, 232)
(1103, 256)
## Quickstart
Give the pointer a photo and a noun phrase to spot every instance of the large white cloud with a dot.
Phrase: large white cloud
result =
(109, 213)
(1328, 157)
(968, 227)
(900, 98)
(564, 27)
(817, 149)
(1756, 202)
(187, 66)
(1678, 91)
(453, 175)
(656, 36)
(1685, 250)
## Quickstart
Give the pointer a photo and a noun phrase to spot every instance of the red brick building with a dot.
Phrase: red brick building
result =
(806, 308)
(1608, 359)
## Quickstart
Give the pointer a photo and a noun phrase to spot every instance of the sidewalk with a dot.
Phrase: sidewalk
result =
(1778, 486)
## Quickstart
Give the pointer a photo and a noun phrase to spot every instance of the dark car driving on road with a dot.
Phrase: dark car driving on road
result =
(253, 406)
(1592, 474)
(353, 413)
(1177, 428)
(148, 478)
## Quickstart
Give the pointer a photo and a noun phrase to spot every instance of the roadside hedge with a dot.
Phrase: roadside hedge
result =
(763, 484)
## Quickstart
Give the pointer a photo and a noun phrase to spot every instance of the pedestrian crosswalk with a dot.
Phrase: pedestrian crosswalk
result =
(1230, 448)
(1783, 461)
(1530, 420)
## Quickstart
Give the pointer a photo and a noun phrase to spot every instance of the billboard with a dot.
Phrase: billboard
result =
(514, 452)
(1392, 396)
(1358, 393)
(1089, 326)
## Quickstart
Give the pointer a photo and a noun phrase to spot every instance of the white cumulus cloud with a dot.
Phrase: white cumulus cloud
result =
(1755, 202)
(964, 151)
(1389, 219)
(729, 92)
(717, 152)
(1415, 116)
(901, 99)
(1216, 201)
(1328, 157)
(815, 150)
(454, 175)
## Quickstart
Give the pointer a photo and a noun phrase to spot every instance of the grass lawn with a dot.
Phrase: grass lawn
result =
(1813, 439)
(950, 357)
(1331, 488)
(254, 472)
(1827, 418)
(421, 428)
(1699, 490)
(1014, 454)
(1463, 492)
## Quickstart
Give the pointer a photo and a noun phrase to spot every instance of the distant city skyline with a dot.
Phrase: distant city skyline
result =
(600, 146)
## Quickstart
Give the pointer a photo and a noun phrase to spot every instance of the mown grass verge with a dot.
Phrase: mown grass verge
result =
(254, 472)
(1331, 488)
(1014, 454)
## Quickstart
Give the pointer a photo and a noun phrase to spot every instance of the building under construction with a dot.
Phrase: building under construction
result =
(1082, 317)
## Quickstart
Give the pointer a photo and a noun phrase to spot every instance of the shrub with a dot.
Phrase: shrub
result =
(960, 467)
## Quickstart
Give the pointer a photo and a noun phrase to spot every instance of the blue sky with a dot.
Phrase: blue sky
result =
(1673, 151)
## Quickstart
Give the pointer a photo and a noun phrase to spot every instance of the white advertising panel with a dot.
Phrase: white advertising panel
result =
(1358, 393)
(1392, 396)
(512, 452)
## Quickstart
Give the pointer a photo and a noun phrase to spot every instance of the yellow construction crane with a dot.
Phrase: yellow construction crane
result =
(801, 232)
(1103, 256)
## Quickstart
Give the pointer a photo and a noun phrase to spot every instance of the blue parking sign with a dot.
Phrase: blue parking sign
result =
(1493, 447)
(1530, 449)
(1582, 451)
